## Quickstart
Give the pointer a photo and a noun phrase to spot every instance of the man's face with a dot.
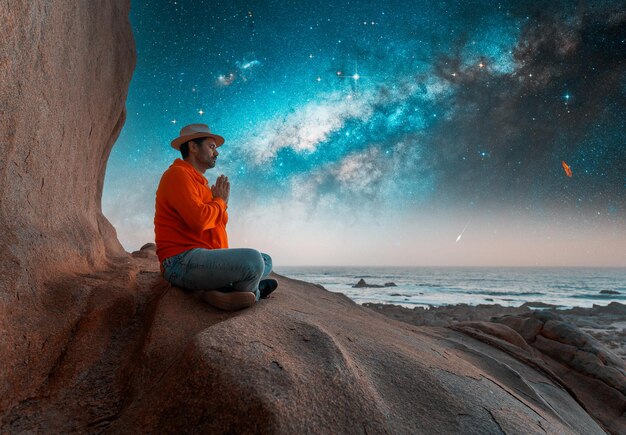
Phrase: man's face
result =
(207, 152)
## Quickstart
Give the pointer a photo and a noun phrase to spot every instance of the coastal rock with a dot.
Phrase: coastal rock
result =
(566, 349)
(537, 304)
(360, 284)
(503, 332)
(527, 327)
(609, 292)
(582, 363)
(363, 284)
(612, 308)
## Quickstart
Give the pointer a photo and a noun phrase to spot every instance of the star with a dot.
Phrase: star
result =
(200, 112)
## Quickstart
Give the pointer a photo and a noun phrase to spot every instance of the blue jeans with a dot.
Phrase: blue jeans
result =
(237, 269)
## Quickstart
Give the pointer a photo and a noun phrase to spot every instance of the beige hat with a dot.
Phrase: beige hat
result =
(195, 131)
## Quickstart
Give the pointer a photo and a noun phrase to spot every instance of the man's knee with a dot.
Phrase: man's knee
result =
(267, 259)
(253, 260)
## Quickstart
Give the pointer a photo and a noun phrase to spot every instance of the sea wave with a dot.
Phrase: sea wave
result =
(501, 293)
(597, 296)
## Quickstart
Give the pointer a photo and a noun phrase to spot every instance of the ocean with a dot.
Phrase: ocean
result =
(436, 286)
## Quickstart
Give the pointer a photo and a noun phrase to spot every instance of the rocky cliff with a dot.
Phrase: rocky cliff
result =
(93, 339)
(65, 69)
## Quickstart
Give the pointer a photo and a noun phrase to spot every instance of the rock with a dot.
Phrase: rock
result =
(543, 316)
(147, 251)
(363, 284)
(527, 327)
(587, 361)
(612, 308)
(360, 284)
(501, 331)
(65, 70)
(374, 369)
(582, 364)
(148, 246)
(390, 284)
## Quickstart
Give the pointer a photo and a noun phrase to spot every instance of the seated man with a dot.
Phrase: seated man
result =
(190, 229)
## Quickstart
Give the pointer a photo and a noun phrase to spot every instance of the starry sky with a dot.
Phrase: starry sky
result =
(395, 133)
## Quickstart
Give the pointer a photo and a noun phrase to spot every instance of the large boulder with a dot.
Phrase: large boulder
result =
(159, 360)
(65, 68)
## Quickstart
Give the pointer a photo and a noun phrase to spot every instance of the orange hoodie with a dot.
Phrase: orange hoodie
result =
(187, 215)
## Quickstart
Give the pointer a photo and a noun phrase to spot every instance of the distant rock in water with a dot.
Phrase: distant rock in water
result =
(609, 292)
(363, 284)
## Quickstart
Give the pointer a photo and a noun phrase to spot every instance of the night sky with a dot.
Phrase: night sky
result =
(363, 133)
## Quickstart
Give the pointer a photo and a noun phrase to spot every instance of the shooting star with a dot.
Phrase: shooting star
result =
(566, 168)
(459, 238)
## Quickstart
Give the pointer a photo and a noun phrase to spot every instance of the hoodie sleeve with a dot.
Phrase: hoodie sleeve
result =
(183, 196)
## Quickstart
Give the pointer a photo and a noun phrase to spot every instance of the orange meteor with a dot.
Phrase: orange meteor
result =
(566, 168)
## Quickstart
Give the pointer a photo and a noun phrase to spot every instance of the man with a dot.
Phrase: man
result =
(190, 229)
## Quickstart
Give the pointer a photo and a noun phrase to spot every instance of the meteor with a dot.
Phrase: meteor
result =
(459, 238)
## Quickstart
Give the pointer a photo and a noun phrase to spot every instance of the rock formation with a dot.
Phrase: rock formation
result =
(593, 373)
(65, 69)
(94, 340)
(363, 284)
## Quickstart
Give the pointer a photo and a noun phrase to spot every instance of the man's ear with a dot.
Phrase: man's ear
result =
(193, 144)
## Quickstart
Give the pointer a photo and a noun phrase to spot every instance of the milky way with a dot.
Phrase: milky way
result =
(357, 109)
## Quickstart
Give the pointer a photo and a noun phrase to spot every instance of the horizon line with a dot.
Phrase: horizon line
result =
(464, 266)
